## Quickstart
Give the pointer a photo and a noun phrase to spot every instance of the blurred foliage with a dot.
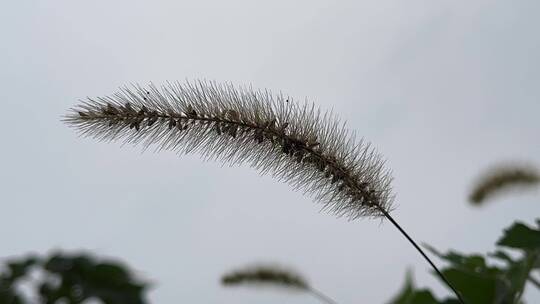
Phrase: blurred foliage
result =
(494, 278)
(410, 294)
(64, 278)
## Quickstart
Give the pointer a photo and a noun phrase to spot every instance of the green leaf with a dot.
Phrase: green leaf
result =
(477, 288)
(422, 296)
(406, 292)
(520, 236)
(501, 255)
(451, 301)
(83, 277)
(476, 281)
(470, 263)
(410, 295)
(8, 297)
(110, 274)
(517, 275)
(517, 271)
(18, 268)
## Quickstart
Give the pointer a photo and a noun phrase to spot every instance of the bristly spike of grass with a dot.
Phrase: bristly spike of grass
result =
(267, 275)
(501, 178)
(296, 143)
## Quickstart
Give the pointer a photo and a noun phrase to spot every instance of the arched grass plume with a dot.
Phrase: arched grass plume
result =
(502, 178)
(294, 142)
(265, 275)
(268, 275)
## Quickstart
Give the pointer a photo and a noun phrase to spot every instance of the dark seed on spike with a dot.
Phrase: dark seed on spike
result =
(190, 112)
(299, 156)
(270, 124)
(135, 125)
(172, 123)
(270, 137)
(152, 120)
(109, 110)
(284, 126)
(82, 114)
(232, 115)
(286, 148)
(129, 110)
(258, 135)
(232, 130)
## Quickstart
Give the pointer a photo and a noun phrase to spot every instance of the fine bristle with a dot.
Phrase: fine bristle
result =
(295, 143)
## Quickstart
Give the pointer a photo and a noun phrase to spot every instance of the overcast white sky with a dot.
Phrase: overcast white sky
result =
(443, 89)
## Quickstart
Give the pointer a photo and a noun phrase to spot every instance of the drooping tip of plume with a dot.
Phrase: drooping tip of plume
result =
(265, 275)
(294, 142)
(502, 178)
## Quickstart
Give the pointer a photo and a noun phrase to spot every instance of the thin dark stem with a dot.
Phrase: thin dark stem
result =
(321, 296)
(387, 215)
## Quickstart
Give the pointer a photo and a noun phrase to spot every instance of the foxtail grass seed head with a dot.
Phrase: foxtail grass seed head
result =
(294, 142)
(265, 275)
(502, 178)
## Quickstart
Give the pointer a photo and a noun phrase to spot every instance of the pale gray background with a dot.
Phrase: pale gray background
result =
(441, 88)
